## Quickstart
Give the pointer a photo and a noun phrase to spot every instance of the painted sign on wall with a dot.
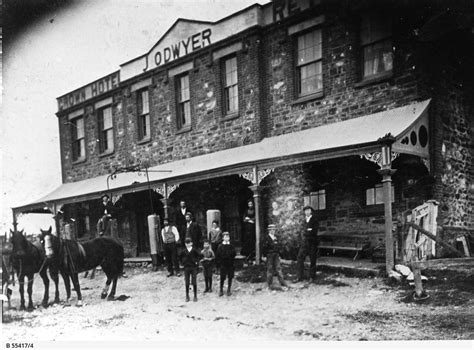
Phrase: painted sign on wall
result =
(94, 89)
(178, 49)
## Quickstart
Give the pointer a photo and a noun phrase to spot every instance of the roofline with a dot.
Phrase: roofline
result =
(192, 21)
(233, 169)
(92, 82)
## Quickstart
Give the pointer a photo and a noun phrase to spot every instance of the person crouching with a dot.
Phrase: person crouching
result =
(225, 256)
(190, 257)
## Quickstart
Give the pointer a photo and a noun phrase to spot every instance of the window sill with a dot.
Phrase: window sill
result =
(144, 140)
(183, 130)
(308, 98)
(374, 80)
(106, 153)
(230, 116)
(79, 160)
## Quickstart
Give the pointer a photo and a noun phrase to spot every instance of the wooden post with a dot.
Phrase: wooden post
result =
(436, 239)
(165, 200)
(258, 221)
(387, 197)
(15, 223)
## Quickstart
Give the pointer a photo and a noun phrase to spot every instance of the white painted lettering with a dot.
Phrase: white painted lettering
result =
(186, 44)
(195, 41)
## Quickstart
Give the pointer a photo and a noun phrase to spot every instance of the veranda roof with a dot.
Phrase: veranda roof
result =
(349, 137)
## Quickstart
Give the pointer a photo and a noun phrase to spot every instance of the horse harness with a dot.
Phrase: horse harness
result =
(68, 256)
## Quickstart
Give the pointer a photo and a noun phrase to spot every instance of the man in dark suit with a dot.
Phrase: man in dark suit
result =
(193, 231)
(106, 212)
(309, 245)
(180, 221)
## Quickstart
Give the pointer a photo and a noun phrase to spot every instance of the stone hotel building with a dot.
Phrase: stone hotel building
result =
(289, 103)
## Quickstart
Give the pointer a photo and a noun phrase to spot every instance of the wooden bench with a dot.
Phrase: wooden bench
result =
(348, 242)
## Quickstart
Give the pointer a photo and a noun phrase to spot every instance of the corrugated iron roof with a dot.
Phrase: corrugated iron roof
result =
(345, 135)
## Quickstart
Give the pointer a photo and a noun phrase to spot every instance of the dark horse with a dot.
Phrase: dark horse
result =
(28, 259)
(75, 257)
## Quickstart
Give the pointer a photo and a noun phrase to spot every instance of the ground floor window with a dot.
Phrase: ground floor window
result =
(317, 200)
(374, 195)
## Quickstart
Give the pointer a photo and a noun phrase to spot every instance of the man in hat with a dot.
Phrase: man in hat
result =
(170, 236)
(272, 248)
(193, 231)
(309, 245)
(180, 220)
(106, 212)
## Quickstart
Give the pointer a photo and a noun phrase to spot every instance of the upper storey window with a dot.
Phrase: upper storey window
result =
(106, 130)
(231, 91)
(309, 63)
(184, 102)
(78, 139)
(143, 105)
(376, 41)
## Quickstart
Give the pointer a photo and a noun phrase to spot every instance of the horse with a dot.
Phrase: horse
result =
(27, 259)
(75, 257)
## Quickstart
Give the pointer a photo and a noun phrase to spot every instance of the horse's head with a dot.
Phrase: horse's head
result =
(19, 243)
(46, 238)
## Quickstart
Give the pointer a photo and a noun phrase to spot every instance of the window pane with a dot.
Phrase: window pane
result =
(378, 195)
(232, 99)
(147, 126)
(107, 118)
(309, 47)
(184, 88)
(82, 148)
(378, 58)
(369, 195)
(231, 71)
(322, 199)
(110, 140)
(79, 128)
(306, 201)
(145, 108)
(187, 114)
(311, 78)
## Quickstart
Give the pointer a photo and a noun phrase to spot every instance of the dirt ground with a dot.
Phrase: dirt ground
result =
(150, 306)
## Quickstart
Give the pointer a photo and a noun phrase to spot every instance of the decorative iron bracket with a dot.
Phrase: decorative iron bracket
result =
(261, 174)
(376, 157)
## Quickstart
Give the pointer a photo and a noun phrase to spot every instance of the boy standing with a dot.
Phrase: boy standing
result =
(190, 257)
(272, 248)
(207, 264)
(215, 236)
(225, 257)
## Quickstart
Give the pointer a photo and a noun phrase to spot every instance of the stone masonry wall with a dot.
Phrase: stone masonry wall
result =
(211, 131)
(343, 97)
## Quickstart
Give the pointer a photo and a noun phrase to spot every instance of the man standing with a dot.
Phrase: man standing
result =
(180, 220)
(106, 212)
(170, 236)
(309, 245)
(193, 231)
(272, 248)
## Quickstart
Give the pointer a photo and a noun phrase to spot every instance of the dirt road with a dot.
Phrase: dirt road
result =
(151, 306)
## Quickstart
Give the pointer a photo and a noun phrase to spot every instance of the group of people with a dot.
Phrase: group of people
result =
(183, 243)
(217, 252)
